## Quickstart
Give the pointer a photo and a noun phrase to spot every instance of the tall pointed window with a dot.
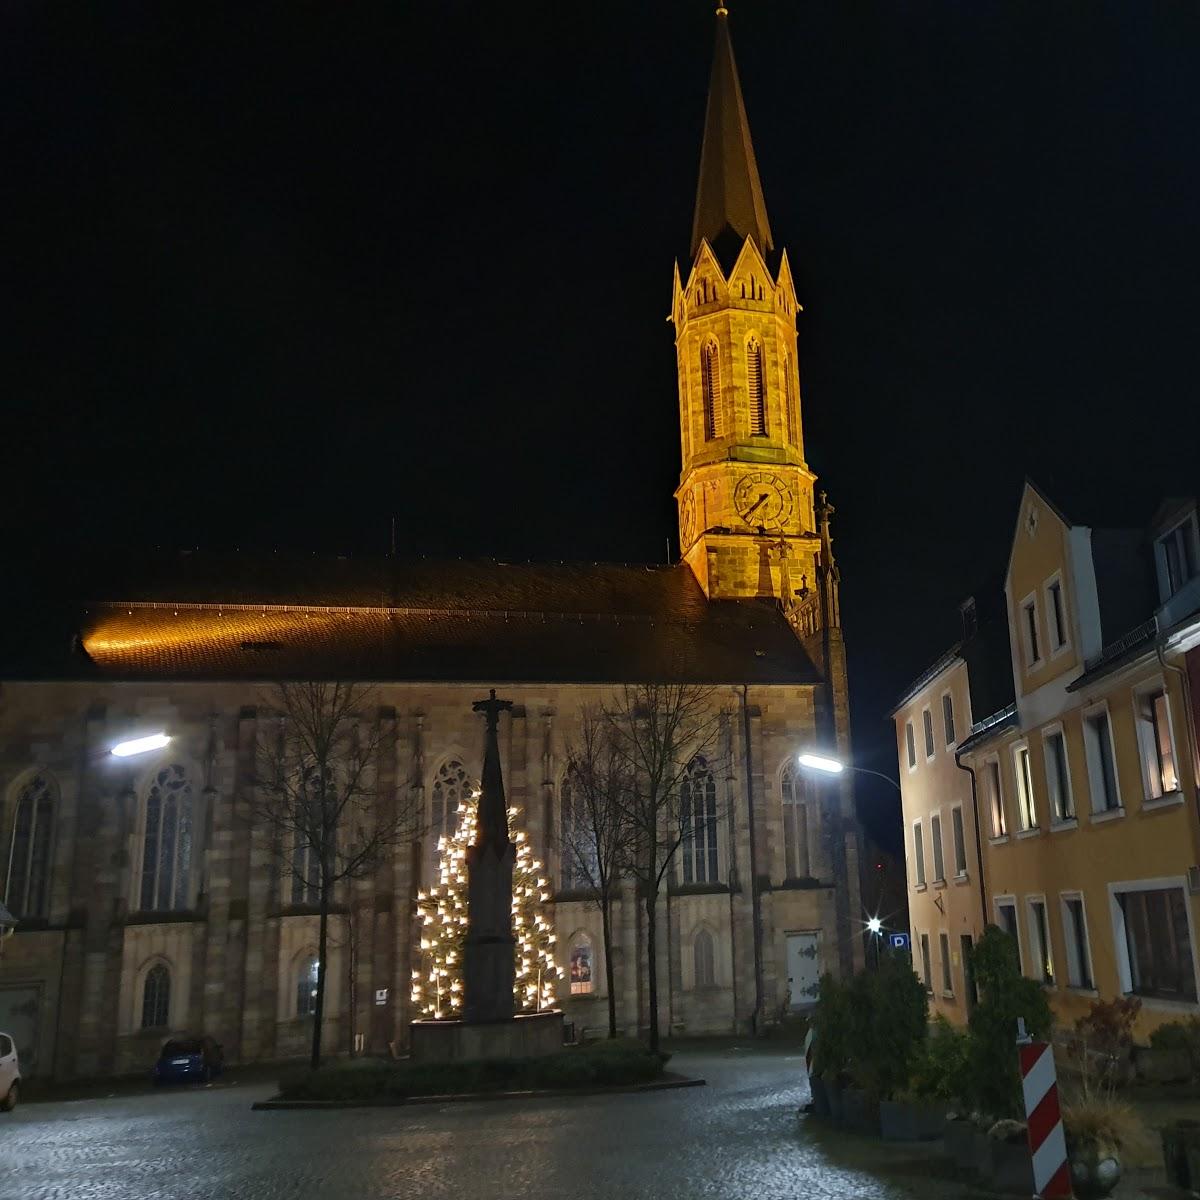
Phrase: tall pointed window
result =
(306, 986)
(156, 998)
(167, 842)
(756, 386)
(795, 825)
(710, 388)
(451, 787)
(789, 399)
(577, 840)
(698, 809)
(27, 892)
(703, 959)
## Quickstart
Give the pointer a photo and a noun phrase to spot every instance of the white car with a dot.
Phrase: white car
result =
(10, 1073)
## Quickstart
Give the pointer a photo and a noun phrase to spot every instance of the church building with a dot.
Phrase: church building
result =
(146, 897)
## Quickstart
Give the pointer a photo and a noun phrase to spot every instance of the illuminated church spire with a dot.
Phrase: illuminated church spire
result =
(729, 197)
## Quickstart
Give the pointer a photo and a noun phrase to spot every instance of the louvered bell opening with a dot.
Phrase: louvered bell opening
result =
(711, 387)
(757, 389)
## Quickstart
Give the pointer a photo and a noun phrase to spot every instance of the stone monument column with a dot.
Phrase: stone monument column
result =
(489, 952)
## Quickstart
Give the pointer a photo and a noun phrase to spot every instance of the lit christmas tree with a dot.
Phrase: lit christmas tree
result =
(437, 988)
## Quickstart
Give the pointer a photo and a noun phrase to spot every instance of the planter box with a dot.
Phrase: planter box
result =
(909, 1121)
(960, 1138)
(861, 1112)
(1180, 1141)
(819, 1094)
(1009, 1168)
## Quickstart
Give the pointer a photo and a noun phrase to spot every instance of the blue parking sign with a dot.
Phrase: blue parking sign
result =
(899, 941)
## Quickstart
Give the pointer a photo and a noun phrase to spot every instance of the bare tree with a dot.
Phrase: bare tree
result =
(593, 834)
(316, 795)
(661, 731)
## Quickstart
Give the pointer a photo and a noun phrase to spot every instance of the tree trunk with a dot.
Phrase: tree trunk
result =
(319, 1007)
(606, 926)
(352, 973)
(652, 965)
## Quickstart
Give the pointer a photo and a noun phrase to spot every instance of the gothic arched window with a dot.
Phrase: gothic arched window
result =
(583, 979)
(789, 400)
(698, 810)
(27, 891)
(167, 841)
(306, 874)
(156, 998)
(710, 389)
(577, 846)
(451, 787)
(756, 386)
(797, 864)
(306, 986)
(703, 959)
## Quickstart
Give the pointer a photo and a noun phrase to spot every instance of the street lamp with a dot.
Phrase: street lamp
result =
(153, 741)
(834, 766)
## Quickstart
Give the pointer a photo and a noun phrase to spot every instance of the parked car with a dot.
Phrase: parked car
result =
(188, 1059)
(10, 1073)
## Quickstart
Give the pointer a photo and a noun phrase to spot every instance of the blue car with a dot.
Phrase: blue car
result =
(188, 1060)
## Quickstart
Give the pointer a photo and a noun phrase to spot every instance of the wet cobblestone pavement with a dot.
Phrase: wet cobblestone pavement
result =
(738, 1137)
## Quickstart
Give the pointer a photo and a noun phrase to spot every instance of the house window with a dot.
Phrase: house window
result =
(1058, 776)
(756, 384)
(1026, 806)
(948, 718)
(702, 952)
(789, 402)
(1158, 943)
(1079, 955)
(947, 966)
(918, 854)
(926, 968)
(1177, 554)
(27, 891)
(1039, 937)
(167, 841)
(582, 979)
(1056, 616)
(927, 722)
(306, 986)
(451, 787)
(995, 797)
(1102, 770)
(911, 742)
(1029, 628)
(156, 998)
(960, 841)
(710, 389)
(935, 839)
(795, 824)
(698, 809)
(1155, 745)
(1006, 919)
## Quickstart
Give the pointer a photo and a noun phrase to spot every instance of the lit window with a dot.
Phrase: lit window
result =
(698, 810)
(1026, 806)
(1079, 957)
(911, 742)
(1102, 770)
(927, 721)
(702, 951)
(756, 384)
(710, 389)
(167, 842)
(1039, 936)
(26, 893)
(1156, 747)
(1157, 944)
(1058, 776)
(935, 838)
(995, 797)
(156, 998)
(306, 987)
(947, 966)
(918, 854)
(795, 825)
(960, 842)
(1056, 615)
(948, 718)
(582, 979)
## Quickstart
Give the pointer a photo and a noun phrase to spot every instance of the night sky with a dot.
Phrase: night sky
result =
(278, 274)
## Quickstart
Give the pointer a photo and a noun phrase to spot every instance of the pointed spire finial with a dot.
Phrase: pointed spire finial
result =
(722, 11)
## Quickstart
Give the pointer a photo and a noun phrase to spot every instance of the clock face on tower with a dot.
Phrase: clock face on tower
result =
(763, 500)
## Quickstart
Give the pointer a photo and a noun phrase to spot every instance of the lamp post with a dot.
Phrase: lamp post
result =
(153, 741)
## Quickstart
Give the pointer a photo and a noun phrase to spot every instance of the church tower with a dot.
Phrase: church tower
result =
(747, 524)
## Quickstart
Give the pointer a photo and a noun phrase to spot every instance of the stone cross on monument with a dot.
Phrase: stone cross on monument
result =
(489, 952)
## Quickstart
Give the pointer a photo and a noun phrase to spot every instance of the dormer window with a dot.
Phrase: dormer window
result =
(1177, 557)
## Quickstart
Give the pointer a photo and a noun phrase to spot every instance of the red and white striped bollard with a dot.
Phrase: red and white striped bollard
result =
(1047, 1141)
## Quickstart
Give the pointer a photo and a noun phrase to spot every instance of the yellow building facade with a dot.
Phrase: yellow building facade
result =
(1086, 783)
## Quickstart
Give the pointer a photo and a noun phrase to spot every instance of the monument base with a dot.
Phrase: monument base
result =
(528, 1035)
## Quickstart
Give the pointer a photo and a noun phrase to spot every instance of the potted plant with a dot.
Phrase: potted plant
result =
(1098, 1130)
(831, 1036)
(938, 1079)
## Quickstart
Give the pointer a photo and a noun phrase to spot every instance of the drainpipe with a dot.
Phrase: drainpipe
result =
(978, 840)
(755, 899)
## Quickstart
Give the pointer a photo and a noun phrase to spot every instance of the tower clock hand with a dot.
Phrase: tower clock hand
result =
(763, 497)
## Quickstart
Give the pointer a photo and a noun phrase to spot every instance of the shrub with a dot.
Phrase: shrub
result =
(942, 1068)
(888, 1019)
(1104, 1124)
(1005, 996)
(1103, 1044)
(1180, 1039)
(831, 1029)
